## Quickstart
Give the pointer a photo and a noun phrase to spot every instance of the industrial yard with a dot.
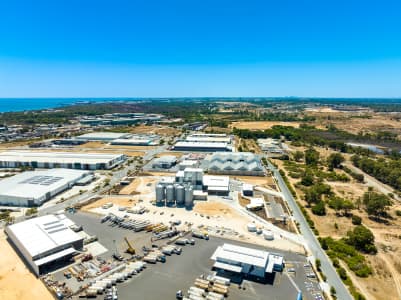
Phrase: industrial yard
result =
(141, 212)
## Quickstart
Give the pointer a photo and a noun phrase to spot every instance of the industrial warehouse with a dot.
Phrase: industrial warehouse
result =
(236, 163)
(137, 140)
(69, 160)
(205, 143)
(202, 146)
(189, 185)
(102, 136)
(43, 241)
(33, 188)
(246, 261)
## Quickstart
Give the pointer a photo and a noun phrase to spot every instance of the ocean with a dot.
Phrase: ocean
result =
(21, 104)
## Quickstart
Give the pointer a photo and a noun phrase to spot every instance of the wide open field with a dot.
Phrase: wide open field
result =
(262, 125)
(16, 281)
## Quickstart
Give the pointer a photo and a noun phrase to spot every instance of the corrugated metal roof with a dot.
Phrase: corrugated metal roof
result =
(39, 235)
(227, 267)
(54, 256)
(240, 254)
(35, 184)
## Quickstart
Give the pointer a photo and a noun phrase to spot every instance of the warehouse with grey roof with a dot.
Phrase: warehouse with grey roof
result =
(33, 188)
(69, 160)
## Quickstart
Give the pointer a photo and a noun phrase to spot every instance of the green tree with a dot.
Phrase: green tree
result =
(362, 239)
(307, 178)
(311, 157)
(298, 155)
(335, 160)
(319, 209)
(376, 204)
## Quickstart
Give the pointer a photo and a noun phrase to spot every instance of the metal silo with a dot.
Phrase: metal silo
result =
(160, 194)
(180, 195)
(170, 194)
(189, 196)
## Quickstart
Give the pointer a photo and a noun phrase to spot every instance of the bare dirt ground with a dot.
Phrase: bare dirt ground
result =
(91, 145)
(214, 209)
(16, 281)
(373, 124)
(261, 125)
(138, 185)
(176, 154)
(119, 201)
(154, 129)
(266, 181)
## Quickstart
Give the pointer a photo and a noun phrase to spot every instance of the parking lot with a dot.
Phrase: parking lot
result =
(161, 281)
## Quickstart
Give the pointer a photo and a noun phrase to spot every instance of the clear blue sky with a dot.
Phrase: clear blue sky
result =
(85, 48)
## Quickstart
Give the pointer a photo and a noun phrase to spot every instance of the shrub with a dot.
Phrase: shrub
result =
(356, 220)
(319, 209)
(398, 213)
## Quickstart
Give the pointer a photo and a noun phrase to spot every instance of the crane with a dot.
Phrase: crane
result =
(130, 249)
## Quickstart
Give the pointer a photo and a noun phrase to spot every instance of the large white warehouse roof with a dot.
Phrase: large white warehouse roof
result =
(103, 136)
(43, 234)
(12, 158)
(37, 186)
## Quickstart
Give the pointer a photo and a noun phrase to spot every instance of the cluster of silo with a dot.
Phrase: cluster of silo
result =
(174, 194)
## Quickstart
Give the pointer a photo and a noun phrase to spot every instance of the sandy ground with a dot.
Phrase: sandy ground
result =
(93, 145)
(139, 184)
(176, 154)
(344, 121)
(16, 281)
(118, 201)
(154, 129)
(261, 125)
(256, 180)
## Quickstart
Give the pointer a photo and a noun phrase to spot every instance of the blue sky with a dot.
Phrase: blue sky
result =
(200, 48)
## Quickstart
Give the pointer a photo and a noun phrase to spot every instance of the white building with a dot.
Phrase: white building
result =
(164, 162)
(103, 136)
(43, 241)
(217, 185)
(235, 163)
(33, 188)
(202, 146)
(209, 138)
(69, 160)
(246, 261)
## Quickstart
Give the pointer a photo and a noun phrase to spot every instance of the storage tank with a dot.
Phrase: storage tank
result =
(160, 194)
(251, 227)
(170, 194)
(268, 235)
(189, 196)
(180, 195)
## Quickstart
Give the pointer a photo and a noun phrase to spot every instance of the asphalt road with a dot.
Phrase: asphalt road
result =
(314, 246)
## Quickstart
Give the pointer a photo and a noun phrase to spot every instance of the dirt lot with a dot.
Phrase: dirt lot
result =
(257, 180)
(119, 201)
(138, 185)
(375, 123)
(214, 209)
(154, 129)
(176, 154)
(91, 145)
(261, 125)
(16, 281)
